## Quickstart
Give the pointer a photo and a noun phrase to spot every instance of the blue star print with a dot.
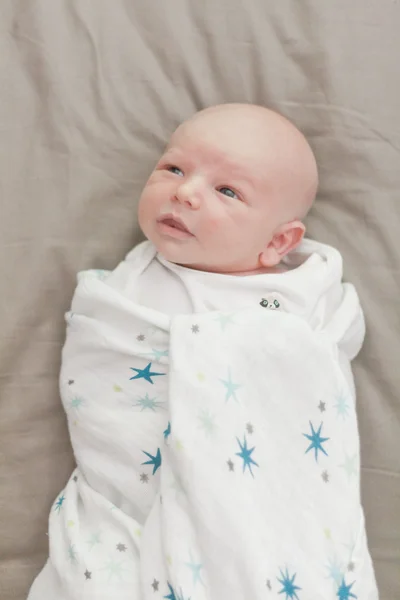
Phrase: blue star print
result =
(288, 585)
(76, 402)
(196, 569)
(230, 387)
(167, 432)
(157, 354)
(245, 454)
(59, 503)
(171, 595)
(316, 441)
(344, 592)
(335, 569)
(342, 407)
(145, 374)
(174, 595)
(148, 403)
(154, 460)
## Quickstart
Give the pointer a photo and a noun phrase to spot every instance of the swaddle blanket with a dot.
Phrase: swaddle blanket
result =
(217, 455)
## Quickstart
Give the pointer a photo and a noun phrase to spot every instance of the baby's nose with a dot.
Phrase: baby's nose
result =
(189, 193)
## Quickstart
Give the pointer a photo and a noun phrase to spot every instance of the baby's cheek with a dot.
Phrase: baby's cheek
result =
(212, 226)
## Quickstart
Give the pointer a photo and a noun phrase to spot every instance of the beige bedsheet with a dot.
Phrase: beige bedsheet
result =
(89, 92)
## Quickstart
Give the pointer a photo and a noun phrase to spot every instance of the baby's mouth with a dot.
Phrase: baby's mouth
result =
(175, 223)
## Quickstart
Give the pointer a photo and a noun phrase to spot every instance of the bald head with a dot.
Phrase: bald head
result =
(285, 157)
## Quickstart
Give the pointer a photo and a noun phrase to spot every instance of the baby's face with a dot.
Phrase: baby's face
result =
(207, 204)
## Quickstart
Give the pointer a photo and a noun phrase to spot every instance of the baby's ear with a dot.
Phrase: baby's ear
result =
(286, 238)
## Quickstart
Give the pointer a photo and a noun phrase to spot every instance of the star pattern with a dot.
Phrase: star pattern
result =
(179, 445)
(141, 337)
(155, 585)
(195, 329)
(230, 387)
(71, 382)
(114, 569)
(351, 566)
(325, 476)
(121, 547)
(207, 422)
(316, 441)
(245, 453)
(145, 374)
(342, 407)
(156, 354)
(322, 406)
(335, 570)
(269, 586)
(167, 432)
(249, 428)
(231, 465)
(225, 319)
(350, 465)
(72, 555)
(196, 570)
(75, 478)
(100, 274)
(88, 574)
(173, 595)
(154, 460)
(59, 503)
(344, 592)
(144, 478)
(289, 587)
(94, 540)
(77, 402)
(148, 403)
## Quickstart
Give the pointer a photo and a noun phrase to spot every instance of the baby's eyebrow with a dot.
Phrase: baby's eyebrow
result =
(169, 152)
(238, 172)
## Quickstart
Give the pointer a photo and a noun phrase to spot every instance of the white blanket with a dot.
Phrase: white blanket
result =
(217, 456)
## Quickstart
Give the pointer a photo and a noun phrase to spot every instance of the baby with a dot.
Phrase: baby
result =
(216, 442)
(230, 192)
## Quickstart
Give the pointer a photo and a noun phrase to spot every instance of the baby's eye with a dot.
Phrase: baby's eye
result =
(228, 192)
(175, 170)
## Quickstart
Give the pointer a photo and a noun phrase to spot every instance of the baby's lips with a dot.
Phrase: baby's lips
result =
(176, 222)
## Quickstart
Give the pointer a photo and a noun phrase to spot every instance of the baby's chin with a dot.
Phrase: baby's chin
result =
(188, 255)
(174, 252)
(184, 258)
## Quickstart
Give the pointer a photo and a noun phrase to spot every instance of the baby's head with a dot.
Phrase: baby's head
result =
(231, 190)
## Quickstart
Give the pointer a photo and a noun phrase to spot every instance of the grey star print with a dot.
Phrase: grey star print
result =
(230, 465)
(141, 337)
(88, 574)
(144, 478)
(195, 329)
(121, 547)
(249, 428)
(321, 406)
(71, 381)
(325, 476)
(155, 585)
